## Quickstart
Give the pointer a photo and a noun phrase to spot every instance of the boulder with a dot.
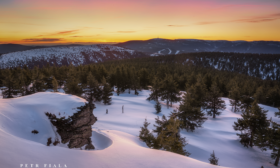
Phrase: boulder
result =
(77, 128)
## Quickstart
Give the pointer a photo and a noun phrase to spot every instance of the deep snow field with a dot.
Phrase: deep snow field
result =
(115, 135)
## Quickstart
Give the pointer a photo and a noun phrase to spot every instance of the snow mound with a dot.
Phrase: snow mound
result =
(100, 140)
(19, 116)
(115, 135)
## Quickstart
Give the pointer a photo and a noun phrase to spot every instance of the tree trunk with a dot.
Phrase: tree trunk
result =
(214, 107)
(251, 140)
(277, 158)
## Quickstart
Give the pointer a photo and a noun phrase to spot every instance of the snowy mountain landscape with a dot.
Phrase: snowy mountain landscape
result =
(140, 84)
(115, 135)
(76, 55)
(156, 47)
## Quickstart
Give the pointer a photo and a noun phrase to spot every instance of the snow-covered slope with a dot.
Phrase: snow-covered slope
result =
(66, 55)
(115, 135)
(19, 116)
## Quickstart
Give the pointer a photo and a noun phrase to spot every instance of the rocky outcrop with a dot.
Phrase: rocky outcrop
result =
(76, 129)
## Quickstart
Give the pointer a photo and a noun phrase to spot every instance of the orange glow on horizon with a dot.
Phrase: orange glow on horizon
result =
(34, 22)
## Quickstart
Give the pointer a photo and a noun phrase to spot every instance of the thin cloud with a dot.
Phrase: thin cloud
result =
(43, 40)
(61, 33)
(266, 18)
(66, 32)
(259, 19)
(22, 23)
(86, 36)
(177, 25)
(126, 31)
(207, 23)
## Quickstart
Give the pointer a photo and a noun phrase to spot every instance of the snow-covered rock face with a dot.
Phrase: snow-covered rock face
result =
(75, 130)
(75, 55)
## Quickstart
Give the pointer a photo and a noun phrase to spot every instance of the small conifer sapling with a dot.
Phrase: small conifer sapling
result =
(213, 159)
(158, 107)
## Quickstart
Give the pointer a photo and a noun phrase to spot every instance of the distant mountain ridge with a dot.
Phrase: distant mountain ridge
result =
(8, 48)
(158, 46)
(76, 55)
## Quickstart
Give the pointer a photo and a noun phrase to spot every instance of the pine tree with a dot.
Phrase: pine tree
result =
(27, 76)
(129, 81)
(55, 85)
(37, 80)
(144, 78)
(21, 84)
(253, 121)
(270, 138)
(124, 79)
(158, 107)
(169, 90)
(107, 92)
(169, 138)
(24, 77)
(259, 95)
(135, 82)
(198, 92)
(119, 80)
(160, 124)
(155, 90)
(191, 117)
(214, 103)
(92, 89)
(145, 135)
(208, 81)
(235, 98)
(277, 114)
(72, 84)
(274, 142)
(10, 83)
(213, 159)
(246, 102)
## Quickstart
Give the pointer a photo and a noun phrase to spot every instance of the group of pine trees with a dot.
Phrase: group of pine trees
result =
(25, 81)
(256, 130)
(167, 135)
(167, 75)
(166, 89)
(196, 98)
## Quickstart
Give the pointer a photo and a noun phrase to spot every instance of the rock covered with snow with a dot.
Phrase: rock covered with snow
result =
(76, 129)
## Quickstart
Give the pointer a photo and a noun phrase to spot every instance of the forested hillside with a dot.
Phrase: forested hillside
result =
(65, 55)
(265, 66)
(178, 46)
(181, 72)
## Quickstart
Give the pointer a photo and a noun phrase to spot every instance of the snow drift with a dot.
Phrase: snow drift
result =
(19, 116)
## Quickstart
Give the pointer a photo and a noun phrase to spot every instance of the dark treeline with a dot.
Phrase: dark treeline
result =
(265, 66)
(138, 73)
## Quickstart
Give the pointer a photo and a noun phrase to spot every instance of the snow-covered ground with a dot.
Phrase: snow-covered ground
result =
(115, 135)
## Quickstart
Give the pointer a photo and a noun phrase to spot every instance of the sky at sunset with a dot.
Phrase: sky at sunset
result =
(104, 21)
